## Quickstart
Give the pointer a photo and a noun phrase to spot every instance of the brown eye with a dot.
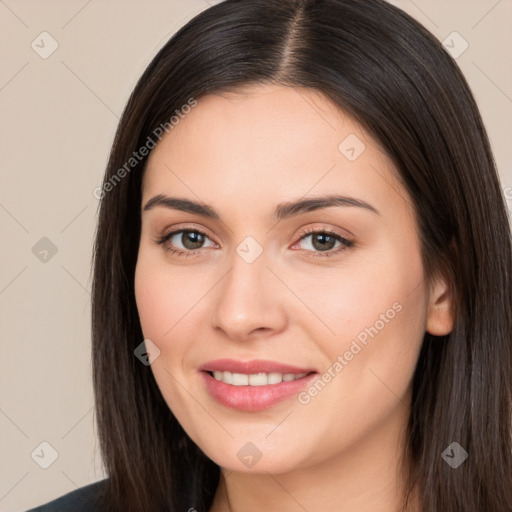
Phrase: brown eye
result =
(184, 241)
(323, 243)
(192, 239)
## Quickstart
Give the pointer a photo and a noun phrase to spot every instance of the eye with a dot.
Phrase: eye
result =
(322, 242)
(191, 241)
(188, 242)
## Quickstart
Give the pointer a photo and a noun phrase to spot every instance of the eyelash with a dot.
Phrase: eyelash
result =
(346, 244)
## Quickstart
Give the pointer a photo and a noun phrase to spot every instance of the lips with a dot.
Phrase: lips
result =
(252, 367)
(247, 390)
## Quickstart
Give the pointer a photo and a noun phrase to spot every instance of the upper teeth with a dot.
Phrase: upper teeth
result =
(256, 379)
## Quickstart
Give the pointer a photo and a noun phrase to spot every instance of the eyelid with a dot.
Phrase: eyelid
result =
(302, 232)
(168, 234)
(325, 229)
(187, 227)
(346, 243)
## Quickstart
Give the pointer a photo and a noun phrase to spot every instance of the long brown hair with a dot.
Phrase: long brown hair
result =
(395, 78)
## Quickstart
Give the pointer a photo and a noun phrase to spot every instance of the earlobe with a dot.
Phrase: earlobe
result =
(440, 312)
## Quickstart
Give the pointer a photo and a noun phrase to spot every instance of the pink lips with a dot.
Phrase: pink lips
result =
(251, 367)
(253, 398)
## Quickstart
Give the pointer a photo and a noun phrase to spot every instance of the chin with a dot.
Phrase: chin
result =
(244, 456)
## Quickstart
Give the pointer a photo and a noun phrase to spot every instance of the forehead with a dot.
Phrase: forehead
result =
(263, 143)
(278, 119)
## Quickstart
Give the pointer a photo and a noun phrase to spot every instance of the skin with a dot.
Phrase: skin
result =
(243, 153)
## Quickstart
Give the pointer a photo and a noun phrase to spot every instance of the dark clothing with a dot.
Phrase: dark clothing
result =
(84, 499)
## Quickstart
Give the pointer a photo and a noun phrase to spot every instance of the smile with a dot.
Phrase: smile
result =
(255, 379)
(253, 385)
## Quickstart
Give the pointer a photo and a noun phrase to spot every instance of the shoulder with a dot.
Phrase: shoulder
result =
(84, 499)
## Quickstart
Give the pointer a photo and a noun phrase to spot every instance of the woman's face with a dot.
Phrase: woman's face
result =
(258, 280)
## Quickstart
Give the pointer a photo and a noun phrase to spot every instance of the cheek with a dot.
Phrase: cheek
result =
(379, 326)
(159, 304)
(369, 296)
(379, 320)
(376, 312)
(162, 304)
(171, 306)
(150, 297)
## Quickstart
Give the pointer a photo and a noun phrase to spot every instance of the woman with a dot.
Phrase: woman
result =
(302, 276)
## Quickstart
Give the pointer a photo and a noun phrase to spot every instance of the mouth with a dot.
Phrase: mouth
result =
(253, 367)
(255, 379)
(253, 385)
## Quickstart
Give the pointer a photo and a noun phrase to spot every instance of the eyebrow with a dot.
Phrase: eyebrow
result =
(282, 210)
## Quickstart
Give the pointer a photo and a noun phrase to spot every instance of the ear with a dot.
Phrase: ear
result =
(440, 317)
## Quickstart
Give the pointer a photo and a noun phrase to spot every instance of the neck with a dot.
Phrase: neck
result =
(365, 478)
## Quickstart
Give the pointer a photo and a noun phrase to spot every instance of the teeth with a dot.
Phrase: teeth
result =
(274, 378)
(239, 379)
(256, 379)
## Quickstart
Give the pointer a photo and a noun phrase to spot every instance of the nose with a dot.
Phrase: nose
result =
(249, 301)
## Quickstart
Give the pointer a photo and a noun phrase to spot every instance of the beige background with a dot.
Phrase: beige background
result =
(58, 117)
